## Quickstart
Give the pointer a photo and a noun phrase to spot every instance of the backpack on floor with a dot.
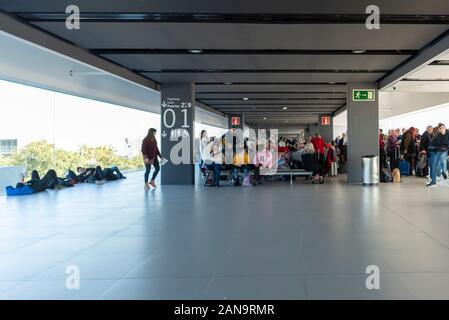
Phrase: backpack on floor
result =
(396, 176)
(404, 167)
(21, 191)
(247, 181)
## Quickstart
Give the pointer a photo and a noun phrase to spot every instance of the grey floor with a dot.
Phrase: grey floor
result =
(274, 241)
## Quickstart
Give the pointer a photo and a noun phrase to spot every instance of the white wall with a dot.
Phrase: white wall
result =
(398, 103)
(340, 124)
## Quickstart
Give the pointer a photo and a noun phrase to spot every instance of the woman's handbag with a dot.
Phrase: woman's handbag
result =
(148, 161)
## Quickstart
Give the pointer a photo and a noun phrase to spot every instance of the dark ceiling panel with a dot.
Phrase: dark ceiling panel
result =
(191, 61)
(325, 87)
(263, 77)
(233, 6)
(239, 36)
(293, 53)
(270, 95)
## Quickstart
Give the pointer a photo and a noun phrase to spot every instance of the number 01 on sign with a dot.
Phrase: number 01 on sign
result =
(363, 95)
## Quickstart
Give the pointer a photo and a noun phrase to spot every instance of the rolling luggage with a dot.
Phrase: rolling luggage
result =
(404, 167)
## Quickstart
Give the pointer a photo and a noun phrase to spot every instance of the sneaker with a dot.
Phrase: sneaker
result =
(444, 175)
(431, 185)
(147, 187)
(152, 184)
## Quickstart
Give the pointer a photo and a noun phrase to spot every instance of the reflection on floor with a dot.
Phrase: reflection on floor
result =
(274, 241)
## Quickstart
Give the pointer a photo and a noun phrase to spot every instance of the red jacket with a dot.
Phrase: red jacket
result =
(150, 149)
(319, 144)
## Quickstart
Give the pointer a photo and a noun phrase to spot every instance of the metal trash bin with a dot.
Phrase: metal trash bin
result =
(370, 170)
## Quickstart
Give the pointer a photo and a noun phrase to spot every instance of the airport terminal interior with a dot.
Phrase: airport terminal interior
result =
(336, 195)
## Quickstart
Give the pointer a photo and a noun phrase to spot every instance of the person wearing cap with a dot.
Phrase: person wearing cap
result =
(150, 153)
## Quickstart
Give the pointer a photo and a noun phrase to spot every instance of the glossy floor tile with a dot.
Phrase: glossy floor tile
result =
(274, 241)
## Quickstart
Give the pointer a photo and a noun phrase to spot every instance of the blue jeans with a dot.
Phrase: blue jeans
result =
(216, 168)
(439, 162)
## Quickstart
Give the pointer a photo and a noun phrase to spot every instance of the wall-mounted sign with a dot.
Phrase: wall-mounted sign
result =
(363, 95)
(325, 121)
(235, 121)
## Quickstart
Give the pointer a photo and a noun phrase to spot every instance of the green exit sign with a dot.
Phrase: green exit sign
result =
(363, 95)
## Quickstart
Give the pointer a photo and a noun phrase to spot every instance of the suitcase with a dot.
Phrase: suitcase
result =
(404, 168)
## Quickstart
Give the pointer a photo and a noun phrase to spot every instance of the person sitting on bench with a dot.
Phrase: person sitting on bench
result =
(213, 159)
(311, 163)
(262, 160)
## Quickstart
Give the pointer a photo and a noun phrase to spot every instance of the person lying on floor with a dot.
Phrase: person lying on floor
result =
(49, 181)
(84, 174)
(92, 175)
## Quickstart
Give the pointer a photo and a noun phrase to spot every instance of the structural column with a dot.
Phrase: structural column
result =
(177, 133)
(326, 127)
(363, 127)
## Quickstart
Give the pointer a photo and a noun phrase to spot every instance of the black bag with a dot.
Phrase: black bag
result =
(384, 177)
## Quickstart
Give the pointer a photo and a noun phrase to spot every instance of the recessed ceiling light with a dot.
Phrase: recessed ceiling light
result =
(246, 99)
(265, 118)
(286, 120)
(358, 51)
(284, 108)
(228, 83)
(195, 50)
(332, 82)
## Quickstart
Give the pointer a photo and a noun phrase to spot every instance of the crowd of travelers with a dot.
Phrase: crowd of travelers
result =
(406, 152)
(313, 155)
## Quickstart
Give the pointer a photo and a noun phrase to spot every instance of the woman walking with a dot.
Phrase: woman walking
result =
(150, 153)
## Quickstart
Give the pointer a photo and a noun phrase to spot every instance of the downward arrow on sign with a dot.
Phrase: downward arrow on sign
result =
(164, 134)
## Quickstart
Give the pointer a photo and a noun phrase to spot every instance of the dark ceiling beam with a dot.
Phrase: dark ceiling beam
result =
(246, 18)
(18, 28)
(434, 50)
(260, 71)
(272, 104)
(339, 110)
(273, 83)
(273, 92)
(143, 51)
(271, 99)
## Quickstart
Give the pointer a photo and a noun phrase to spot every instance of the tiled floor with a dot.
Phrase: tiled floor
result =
(274, 241)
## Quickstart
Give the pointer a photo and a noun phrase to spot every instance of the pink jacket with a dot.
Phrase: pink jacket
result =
(263, 159)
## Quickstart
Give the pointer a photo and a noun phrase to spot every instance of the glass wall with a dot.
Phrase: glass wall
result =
(42, 130)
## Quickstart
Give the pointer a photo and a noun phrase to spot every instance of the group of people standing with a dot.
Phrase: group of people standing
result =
(426, 155)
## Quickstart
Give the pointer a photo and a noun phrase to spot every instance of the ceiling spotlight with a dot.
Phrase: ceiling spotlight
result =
(264, 118)
(246, 99)
(286, 121)
(195, 51)
(284, 108)
(358, 51)
(228, 83)
(332, 82)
